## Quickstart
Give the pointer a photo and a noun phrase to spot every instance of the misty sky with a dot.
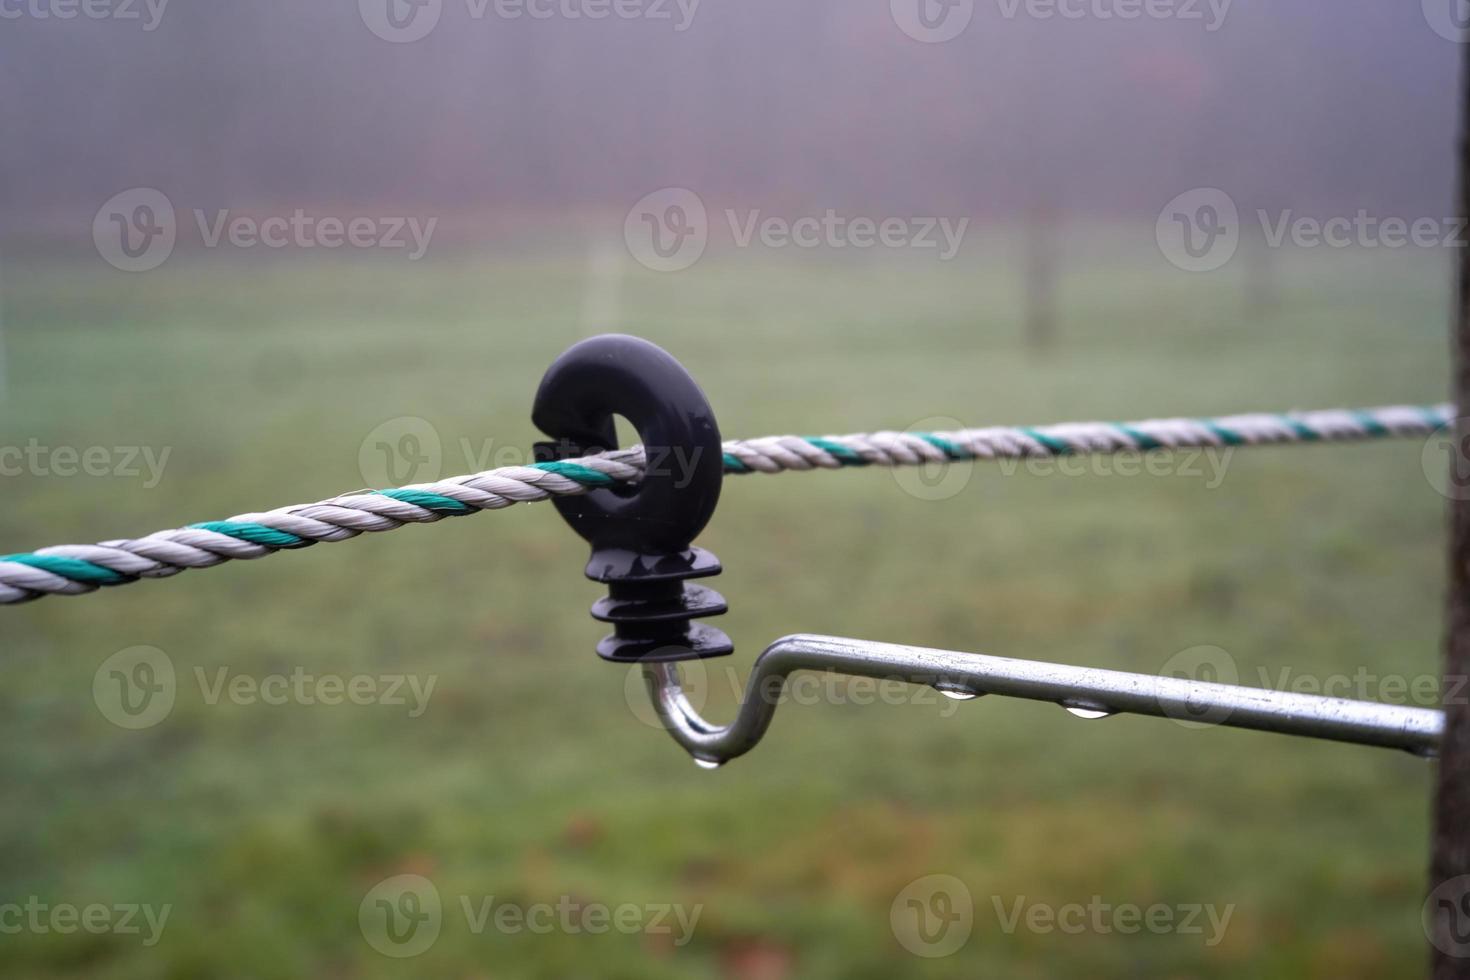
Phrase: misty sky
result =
(1326, 104)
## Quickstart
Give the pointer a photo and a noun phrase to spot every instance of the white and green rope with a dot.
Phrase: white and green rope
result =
(78, 569)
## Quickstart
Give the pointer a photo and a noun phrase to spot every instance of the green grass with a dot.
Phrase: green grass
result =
(530, 778)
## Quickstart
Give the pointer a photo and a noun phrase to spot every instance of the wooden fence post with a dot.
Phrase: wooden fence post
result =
(1448, 908)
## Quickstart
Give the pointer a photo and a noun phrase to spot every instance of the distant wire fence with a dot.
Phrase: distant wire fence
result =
(81, 568)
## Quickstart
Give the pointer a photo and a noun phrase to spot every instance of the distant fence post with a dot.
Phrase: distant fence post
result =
(1448, 908)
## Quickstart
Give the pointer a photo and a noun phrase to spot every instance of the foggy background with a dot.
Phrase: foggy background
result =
(1331, 105)
(1096, 162)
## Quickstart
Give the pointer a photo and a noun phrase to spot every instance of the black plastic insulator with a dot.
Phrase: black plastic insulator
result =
(641, 534)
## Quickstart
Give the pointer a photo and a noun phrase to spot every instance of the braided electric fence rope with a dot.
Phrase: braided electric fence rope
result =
(77, 569)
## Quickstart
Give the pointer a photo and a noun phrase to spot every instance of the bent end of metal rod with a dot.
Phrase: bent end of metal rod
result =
(1088, 691)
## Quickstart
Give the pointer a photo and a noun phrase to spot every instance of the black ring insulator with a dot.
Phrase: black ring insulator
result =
(641, 533)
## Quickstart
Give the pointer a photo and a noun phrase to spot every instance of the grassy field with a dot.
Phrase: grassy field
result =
(530, 777)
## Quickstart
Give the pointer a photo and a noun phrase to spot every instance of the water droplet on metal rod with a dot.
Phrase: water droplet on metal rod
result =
(1091, 714)
(708, 763)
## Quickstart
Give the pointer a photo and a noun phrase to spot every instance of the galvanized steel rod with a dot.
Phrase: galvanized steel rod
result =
(1089, 691)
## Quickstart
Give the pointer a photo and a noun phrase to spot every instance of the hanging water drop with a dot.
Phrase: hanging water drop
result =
(956, 693)
(708, 763)
(1090, 714)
